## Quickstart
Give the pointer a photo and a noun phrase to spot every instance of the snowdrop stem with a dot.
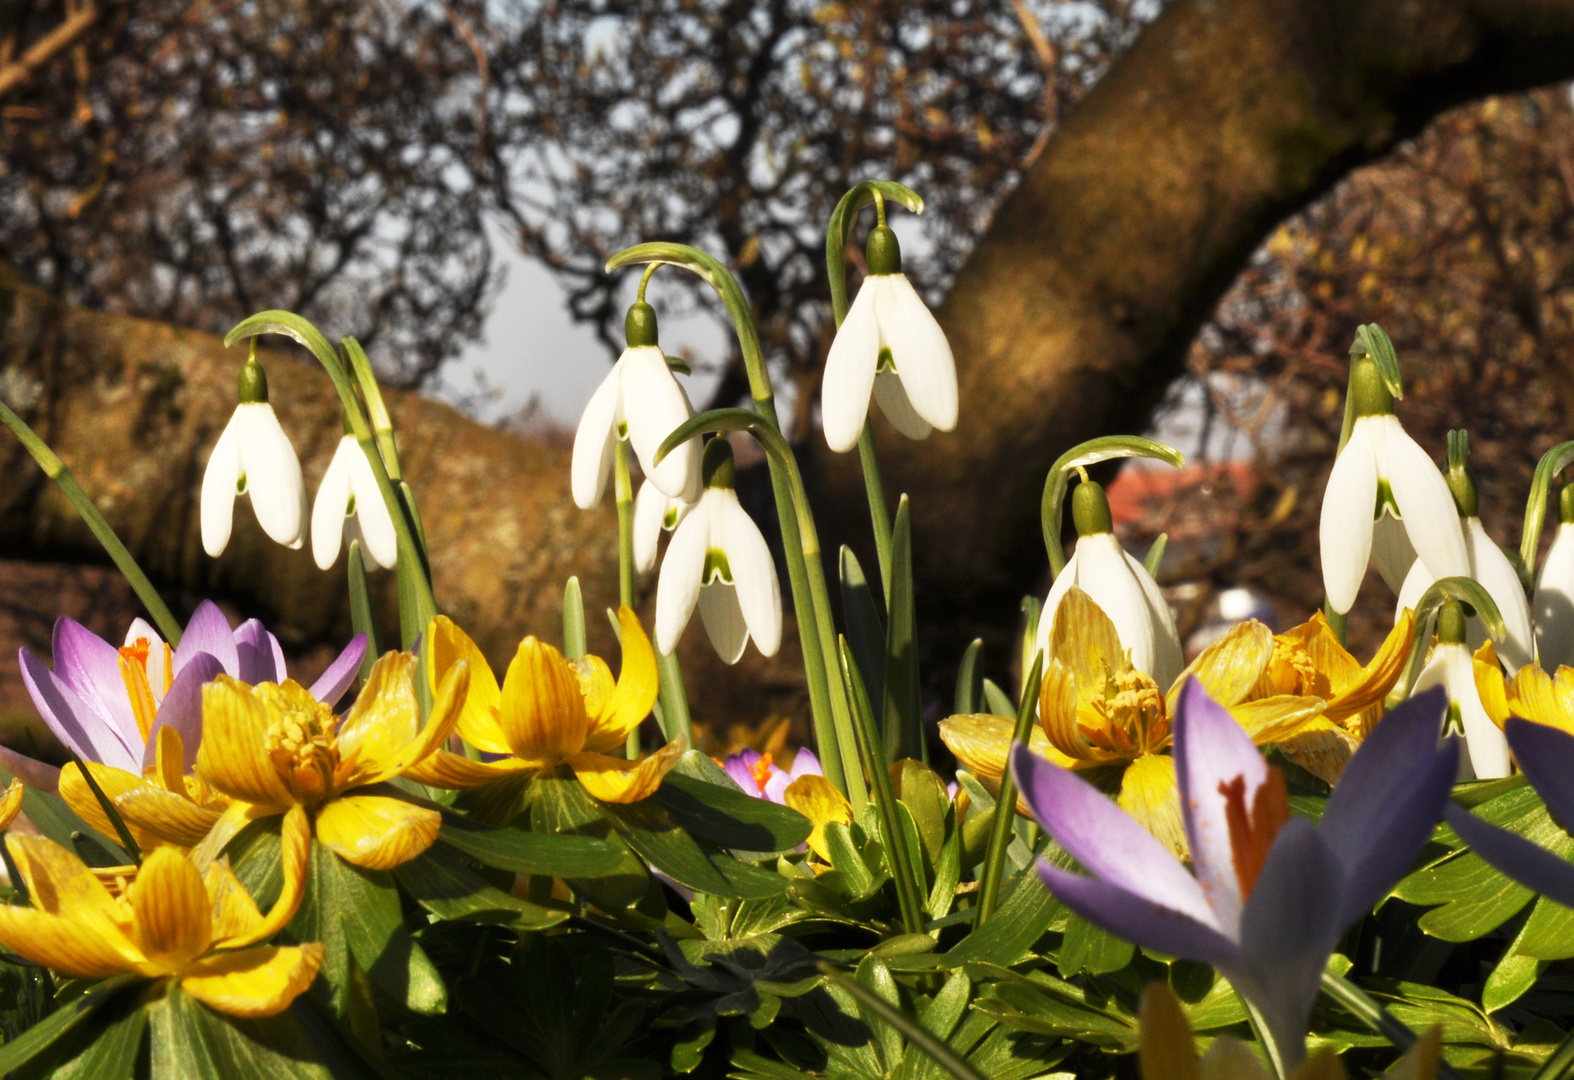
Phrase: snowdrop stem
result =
(673, 698)
(1076, 460)
(1552, 462)
(644, 280)
(1006, 803)
(362, 618)
(879, 510)
(1338, 622)
(841, 225)
(376, 409)
(56, 470)
(1462, 589)
(623, 491)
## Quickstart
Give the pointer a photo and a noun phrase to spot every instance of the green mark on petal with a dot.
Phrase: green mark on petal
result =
(1454, 724)
(1385, 501)
(240, 484)
(885, 362)
(349, 507)
(716, 567)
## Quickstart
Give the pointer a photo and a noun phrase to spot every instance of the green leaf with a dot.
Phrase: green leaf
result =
(729, 818)
(847, 861)
(651, 832)
(967, 679)
(190, 1040)
(924, 795)
(30, 1046)
(1508, 982)
(1552, 462)
(998, 700)
(948, 869)
(113, 1054)
(441, 881)
(525, 852)
(900, 732)
(1051, 1006)
(1085, 947)
(573, 621)
(1549, 932)
(60, 823)
(1155, 556)
(1021, 919)
(865, 629)
(363, 616)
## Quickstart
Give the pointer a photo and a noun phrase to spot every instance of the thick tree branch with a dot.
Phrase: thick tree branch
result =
(48, 47)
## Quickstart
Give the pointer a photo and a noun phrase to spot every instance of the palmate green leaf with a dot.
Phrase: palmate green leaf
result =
(729, 818)
(1420, 1006)
(1087, 948)
(60, 823)
(441, 881)
(647, 828)
(113, 1053)
(525, 852)
(38, 1051)
(190, 1040)
(1050, 1006)
(1024, 915)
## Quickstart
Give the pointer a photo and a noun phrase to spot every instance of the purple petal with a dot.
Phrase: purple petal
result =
(1211, 750)
(35, 774)
(182, 710)
(1105, 839)
(1151, 925)
(208, 632)
(1400, 744)
(332, 683)
(1289, 928)
(259, 657)
(73, 721)
(90, 666)
(806, 764)
(740, 767)
(1529, 864)
(1547, 757)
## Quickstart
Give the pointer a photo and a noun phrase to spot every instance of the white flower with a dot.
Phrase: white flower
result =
(1379, 452)
(253, 457)
(891, 345)
(654, 513)
(350, 506)
(1555, 602)
(1121, 587)
(719, 559)
(640, 401)
(1489, 566)
(1453, 668)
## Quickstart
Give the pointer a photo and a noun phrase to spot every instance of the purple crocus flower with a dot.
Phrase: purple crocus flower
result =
(761, 777)
(1546, 755)
(1272, 893)
(107, 704)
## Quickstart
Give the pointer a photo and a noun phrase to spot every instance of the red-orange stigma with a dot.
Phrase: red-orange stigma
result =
(1252, 834)
(762, 771)
(138, 651)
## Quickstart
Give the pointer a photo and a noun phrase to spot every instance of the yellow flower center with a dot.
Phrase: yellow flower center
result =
(302, 745)
(1293, 672)
(1132, 714)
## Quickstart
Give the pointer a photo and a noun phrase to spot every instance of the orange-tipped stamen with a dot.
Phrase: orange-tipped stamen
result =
(134, 673)
(1252, 834)
(762, 771)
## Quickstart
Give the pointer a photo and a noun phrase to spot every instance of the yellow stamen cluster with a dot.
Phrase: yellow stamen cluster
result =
(300, 742)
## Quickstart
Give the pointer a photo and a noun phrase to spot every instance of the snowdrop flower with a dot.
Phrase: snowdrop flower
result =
(350, 507)
(1454, 669)
(1121, 587)
(655, 513)
(719, 560)
(1554, 599)
(891, 345)
(253, 457)
(640, 401)
(1381, 471)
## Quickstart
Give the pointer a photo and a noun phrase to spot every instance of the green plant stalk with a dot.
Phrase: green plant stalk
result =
(1557, 1066)
(377, 410)
(1278, 1062)
(1360, 1005)
(910, 1029)
(56, 470)
(1340, 624)
(904, 867)
(1552, 462)
(879, 509)
(805, 573)
(1006, 802)
(623, 493)
(362, 617)
(674, 698)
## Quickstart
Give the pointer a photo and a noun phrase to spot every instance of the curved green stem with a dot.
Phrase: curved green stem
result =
(1465, 590)
(56, 470)
(1006, 802)
(377, 410)
(1078, 458)
(1552, 462)
(623, 492)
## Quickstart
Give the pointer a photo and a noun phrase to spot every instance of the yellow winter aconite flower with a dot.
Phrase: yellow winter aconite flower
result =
(167, 919)
(815, 798)
(165, 806)
(1103, 717)
(1531, 694)
(273, 747)
(551, 713)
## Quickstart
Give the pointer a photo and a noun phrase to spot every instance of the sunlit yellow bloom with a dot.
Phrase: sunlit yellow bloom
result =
(551, 713)
(1103, 717)
(165, 806)
(816, 799)
(168, 919)
(273, 747)
(1531, 694)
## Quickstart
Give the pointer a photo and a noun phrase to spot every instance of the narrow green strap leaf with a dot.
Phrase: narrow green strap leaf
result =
(1006, 802)
(1032, 612)
(865, 629)
(999, 702)
(966, 699)
(1374, 1016)
(1155, 556)
(1091, 452)
(574, 647)
(363, 618)
(119, 824)
(901, 732)
(1552, 462)
(376, 408)
(911, 1030)
(673, 700)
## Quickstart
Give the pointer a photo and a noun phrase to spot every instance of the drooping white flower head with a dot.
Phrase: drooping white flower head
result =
(889, 345)
(640, 401)
(254, 458)
(349, 507)
(655, 513)
(1554, 599)
(1121, 587)
(719, 560)
(1382, 470)
(1453, 668)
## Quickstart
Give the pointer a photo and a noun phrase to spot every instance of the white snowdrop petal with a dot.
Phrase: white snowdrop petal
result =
(218, 489)
(759, 594)
(1425, 503)
(891, 396)
(849, 374)
(333, 494)
(678, 587)
(593, 441)
(1483, 739)
(1554, 602)
(654, 406)
(273, 475)
(650, 506)
(1391, 551)
(1490, 567)
(1168, 658)
(1415, 585)
(1102, 573)
(1057, 592)
(920, 350)
(1345, 529)
(724, 621)
(378, 537)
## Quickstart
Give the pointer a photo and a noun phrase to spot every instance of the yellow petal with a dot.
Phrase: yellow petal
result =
(11, 803)
(596, 683)
(1165, 1047)
(1057, 714)
(1271, 719)
(74, 926)
(375, 831)
(255, 982)
(170, 760)
(1084, 638)
(234, 911)
(1489, 683)
(1546, 699)
(385, 716)
(1230, 1059)
(113, 783)
(815, 798)
(981, 742)
(1369, 685)
(446, 770)
(1321, 748)
(619, 780)
(1149, 794)
(172, 921)
(612, 717)
(439, 725)
(71, 947)
(232, 756)
(295, 847)
(478, 724)
(543, 714)
(236, 817)
(172, 818)
(1230, 668)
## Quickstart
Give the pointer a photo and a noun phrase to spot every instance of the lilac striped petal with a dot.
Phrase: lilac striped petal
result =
(208, 632)
(1547, 757)
(740, 767)
(72, 721)
(33, 773)
(332, 683)
(258, 653)
(1399, 745)
(1105, 839)
(90, 666)
(1532, 865)
(1148, 923)
(1211, 750)
(1289, 928)
(182, 710)
(805, 764)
